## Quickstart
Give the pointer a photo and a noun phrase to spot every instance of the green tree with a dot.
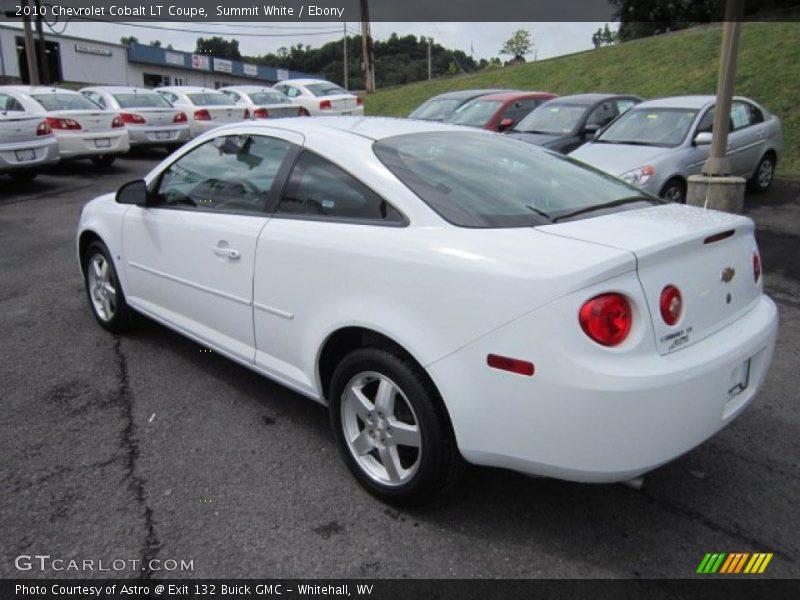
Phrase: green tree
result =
(518, 45)
(155, 43)
(127, 40)
(217, 46)
(604, 37)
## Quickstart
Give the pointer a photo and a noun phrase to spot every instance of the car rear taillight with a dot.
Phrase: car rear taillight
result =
(606, 319)
(63, 124)
(303, 112)
(261, 113)
(246, 113)
(43, 129)
(671, 305)
(756, 267)
(202, 115)
(118, 122)
(359, 101)
(180, 118)
(132, 118)
(325, 105)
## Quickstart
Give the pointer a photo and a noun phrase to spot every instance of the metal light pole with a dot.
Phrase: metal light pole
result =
(30, 49)
(366, 48)
(717, 163)
(40, 46)
(344, 49)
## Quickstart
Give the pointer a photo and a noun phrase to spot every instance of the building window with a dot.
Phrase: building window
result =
(155, 80)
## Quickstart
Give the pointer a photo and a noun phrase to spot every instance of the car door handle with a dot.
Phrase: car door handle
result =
(227, 252)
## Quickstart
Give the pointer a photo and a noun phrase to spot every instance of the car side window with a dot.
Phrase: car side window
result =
(744, 114)
(520, 109)
(706, 123)
(8, 103)
(292, 92)
(233, 173)
(624, 105)
(318, 188)
(232, 95)
(95, 97)
(602, 115)
(171, 98)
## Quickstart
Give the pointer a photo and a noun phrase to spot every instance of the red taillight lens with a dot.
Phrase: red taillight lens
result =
(180, 118)
(514, 365)
(607, 319)
(325, 105)
(359, 101)
(131, 118)
(63, 124)
(202, 115)
(303, 112)
(43, 129)
(756, 267)
(117, 122)
(671, 305)
(261, 113)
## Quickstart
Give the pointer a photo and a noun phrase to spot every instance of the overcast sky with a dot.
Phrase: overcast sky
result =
(482, 40)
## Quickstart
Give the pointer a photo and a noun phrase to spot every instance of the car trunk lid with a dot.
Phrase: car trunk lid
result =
(707, 255)
(18, 127)
(91, 121)
(223, 114)
(155, 116)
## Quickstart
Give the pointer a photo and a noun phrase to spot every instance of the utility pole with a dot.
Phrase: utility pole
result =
(30, 50)
(366, 49)
(344, 47)
(430, 41)
(40, 47)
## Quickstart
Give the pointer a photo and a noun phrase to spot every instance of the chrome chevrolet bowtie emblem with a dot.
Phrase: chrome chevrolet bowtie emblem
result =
(728, 274)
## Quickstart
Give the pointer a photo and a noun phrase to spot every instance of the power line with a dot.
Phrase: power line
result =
(207, 32)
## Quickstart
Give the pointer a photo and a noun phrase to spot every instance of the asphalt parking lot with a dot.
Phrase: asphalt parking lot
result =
(145, 446)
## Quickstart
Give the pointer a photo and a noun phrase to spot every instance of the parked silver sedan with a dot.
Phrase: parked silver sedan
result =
(263, 102)
(658, 144)
(149, 118)
(27, 142)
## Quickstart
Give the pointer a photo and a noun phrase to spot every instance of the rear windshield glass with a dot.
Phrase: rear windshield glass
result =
(269, 98)
(554, 118)
(475, 113)
(65, 102)
(210, 99)
(435, 110)
(650, 127)
(141, 101)
(325, 89)
(486, 180)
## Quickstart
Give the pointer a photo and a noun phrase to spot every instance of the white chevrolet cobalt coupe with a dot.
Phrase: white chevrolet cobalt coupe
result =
(449, 293)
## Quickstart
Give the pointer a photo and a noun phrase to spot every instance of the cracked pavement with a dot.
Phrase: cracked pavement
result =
(144, 446)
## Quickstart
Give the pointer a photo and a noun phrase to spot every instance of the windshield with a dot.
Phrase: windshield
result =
(555, 118)
(269, 98)
(65, 102)
(210, 99)
(475, 113)
(326, 89)
(435, 110)
(141, 101)
(650, 127)
(485, 180)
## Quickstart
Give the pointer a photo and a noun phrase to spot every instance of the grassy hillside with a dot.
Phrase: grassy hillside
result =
(684, 62)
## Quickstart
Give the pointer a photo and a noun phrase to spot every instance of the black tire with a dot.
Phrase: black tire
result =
(123, 317)
(104, 160)
(23, 176)
(674, 191)
(763, 175)
(439, 463)
(170, 148)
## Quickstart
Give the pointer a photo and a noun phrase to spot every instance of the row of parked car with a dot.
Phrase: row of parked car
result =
(656, 145)
(42, 125)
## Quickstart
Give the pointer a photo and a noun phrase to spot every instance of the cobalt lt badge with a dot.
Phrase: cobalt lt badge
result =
(727, 274)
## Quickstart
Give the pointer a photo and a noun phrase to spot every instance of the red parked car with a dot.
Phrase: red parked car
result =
(498, 112)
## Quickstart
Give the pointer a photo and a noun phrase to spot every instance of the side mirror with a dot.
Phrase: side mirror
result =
(133, 192)
(590, 130)
(703, 138)
(505, 125)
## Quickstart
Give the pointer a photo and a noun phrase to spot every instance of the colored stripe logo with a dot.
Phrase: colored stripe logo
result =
(733, 563)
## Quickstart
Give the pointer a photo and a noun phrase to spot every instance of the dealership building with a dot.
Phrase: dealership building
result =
(80, 60)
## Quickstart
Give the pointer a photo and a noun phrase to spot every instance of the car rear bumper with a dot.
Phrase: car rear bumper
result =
(78, 145)
(146, 135)
(598, 421)
(15, 156)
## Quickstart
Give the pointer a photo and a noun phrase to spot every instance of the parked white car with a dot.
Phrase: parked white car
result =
(150, 119)
(26, 141)
(320, 97)
(447, 292)
(264, 102)
(206, 108)
(82, 128)
(659, 144)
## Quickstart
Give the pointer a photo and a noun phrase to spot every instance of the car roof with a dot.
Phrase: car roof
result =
(186, 89)
(120, 89)
(250, 88)
(591, 98)
(696, 102)
(36, 89)
(468, 94)
(507, 96)
(307, 81)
